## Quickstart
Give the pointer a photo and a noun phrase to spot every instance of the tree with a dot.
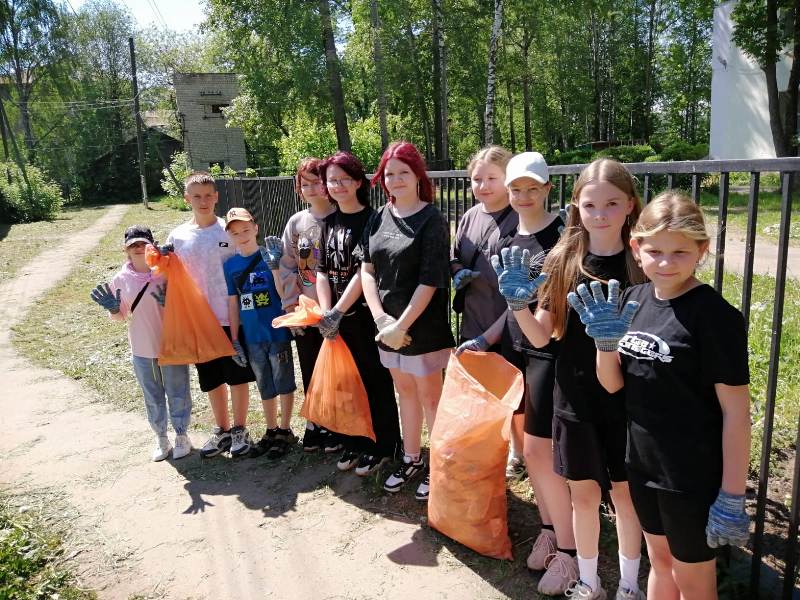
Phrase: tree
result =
(497, 23)
(334, 77)
(762, 30)
(378, 55)
(440, 120)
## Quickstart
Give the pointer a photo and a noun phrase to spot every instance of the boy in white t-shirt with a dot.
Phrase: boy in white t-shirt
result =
(203, 246)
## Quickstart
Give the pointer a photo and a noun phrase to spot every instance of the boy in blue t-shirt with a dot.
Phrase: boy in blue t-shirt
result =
(253, 302)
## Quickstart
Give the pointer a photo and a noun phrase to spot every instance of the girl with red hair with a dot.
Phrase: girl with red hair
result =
(405, 276)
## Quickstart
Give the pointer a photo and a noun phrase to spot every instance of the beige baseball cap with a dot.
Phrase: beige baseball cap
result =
(238, 214)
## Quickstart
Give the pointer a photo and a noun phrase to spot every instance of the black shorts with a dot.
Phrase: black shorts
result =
(679, 516)
(540, 377)
(214, 373)
(590, 450)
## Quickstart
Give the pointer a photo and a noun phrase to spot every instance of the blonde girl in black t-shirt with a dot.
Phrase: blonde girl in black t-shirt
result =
(682, 359)
(589, 432)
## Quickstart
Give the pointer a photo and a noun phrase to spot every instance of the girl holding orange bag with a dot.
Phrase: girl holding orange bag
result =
(345, 312)
(406, 275)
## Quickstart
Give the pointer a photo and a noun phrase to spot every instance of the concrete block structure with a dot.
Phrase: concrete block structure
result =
(200, 98)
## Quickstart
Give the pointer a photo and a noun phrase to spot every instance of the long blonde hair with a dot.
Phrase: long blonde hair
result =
(672, 211)
(496, 155)
(564, 263)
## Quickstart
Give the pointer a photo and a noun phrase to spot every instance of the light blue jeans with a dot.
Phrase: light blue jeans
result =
(164, 386)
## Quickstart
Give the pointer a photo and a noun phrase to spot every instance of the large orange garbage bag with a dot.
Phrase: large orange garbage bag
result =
(336, 398)
(191, 333)
(469, 447)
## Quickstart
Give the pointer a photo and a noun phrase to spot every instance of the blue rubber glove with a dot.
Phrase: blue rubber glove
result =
(464, 277)
(273, 252)
(514, 277)
(160, 295)
(103, 295)
(728, 522)
(329, 325)
(603, 319)
(166, 249)
(240, 358)
(478, 344)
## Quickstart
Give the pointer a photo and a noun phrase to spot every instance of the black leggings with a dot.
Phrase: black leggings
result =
(358, 332)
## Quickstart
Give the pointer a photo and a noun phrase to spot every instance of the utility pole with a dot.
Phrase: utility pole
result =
(137, 117)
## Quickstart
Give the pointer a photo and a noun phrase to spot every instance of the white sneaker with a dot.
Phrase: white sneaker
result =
(183, 446)
(162, 449)
(624, 593)
(240, 441)
(581, 591)
(515, 468)
(543, 548)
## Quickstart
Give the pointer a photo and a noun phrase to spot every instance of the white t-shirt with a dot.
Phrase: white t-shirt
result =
(203, 250)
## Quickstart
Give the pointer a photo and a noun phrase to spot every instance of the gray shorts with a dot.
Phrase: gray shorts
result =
(273, 367)
(419, 365)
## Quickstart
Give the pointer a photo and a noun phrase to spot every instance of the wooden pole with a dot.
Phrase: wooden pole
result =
(138, 118)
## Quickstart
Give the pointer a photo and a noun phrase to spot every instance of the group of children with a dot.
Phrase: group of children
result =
(636, 373)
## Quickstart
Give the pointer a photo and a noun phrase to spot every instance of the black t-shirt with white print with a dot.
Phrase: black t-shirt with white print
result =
(342, 250)
(673, 354)
(514, 343)
(407, 252)
(578, 395)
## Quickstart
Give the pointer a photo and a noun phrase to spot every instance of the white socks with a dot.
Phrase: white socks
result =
(412, 457)
(629, 572)
(587, 569)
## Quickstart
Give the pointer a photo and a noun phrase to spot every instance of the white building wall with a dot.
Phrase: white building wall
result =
(206, 138)
(739, 104)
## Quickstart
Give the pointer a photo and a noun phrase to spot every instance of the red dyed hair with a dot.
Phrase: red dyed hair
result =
(353, 167)
(407, 153)
(307, 165)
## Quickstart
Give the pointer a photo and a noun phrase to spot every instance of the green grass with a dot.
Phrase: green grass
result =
(20, 243)
(769, 215)
(31, 556)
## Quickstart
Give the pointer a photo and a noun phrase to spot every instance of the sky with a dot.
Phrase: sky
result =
(179, 15)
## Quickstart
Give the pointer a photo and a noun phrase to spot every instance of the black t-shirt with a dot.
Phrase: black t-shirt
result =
(514, 343)
(407, 252)
(342, 250)
(674, 353)
(578, 395)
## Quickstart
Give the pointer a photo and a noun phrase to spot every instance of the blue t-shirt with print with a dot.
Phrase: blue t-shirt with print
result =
(259, 302)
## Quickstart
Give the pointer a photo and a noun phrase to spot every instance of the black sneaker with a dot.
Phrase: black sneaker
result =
(348, 460)
(219, 442)
(368, 464)
(313, 438)
(283, 440)
(264, 444)
(424, 488)
(331, 443)
(404, 473)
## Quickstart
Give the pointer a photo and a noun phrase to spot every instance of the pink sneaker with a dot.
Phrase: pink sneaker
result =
(562, 570)
(544, 546)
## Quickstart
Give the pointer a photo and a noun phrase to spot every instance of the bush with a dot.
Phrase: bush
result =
(180, 167)
(684, 151)
(627, 154)
(571, 157)
(21, 203)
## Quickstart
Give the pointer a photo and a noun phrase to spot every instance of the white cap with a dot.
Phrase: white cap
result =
(527, 164)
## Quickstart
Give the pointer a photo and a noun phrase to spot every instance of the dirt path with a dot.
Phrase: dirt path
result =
(201, 529)
(765, 259)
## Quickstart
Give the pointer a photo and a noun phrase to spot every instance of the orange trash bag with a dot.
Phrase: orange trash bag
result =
(336, 398)
(191, 333)
(469, 448)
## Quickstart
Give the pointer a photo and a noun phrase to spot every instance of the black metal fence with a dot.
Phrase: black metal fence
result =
(272, 200)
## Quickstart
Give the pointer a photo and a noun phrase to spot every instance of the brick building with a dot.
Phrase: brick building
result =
(201, 98)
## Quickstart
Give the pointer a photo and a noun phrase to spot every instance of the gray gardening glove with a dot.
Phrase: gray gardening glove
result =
(166, 249)
(605, 324)
(103, 295)
(514, 277)
(329, 325)
(160, 295)
(383, 323)
(464, 277)
(478, 344)
(273, 252)
(728, 522)
(564, 214)
(240, 358)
